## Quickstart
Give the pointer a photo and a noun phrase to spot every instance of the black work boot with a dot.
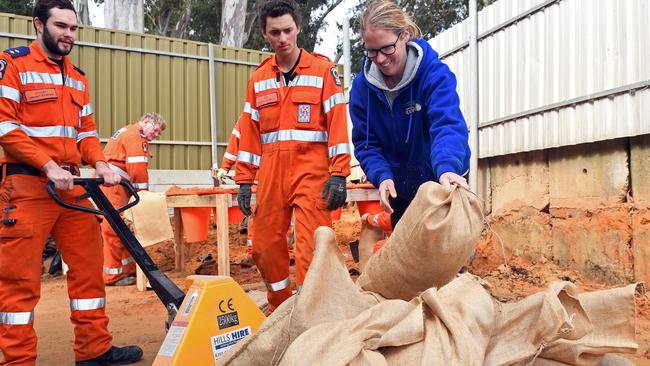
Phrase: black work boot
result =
(115, 356)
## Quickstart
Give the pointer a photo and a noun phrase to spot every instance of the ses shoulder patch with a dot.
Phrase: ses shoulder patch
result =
(118, 133)
(18, 51)
(335, 75)
(3, 68)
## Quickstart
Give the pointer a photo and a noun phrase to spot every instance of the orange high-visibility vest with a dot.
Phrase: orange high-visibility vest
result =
(45, 114)
(310, 108)
(230, 156)
(127, 153)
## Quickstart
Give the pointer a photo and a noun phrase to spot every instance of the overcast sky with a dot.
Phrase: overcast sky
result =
(327, 47)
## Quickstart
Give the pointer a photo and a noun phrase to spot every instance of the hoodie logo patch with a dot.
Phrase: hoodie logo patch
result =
(412, 107)
(304, 113)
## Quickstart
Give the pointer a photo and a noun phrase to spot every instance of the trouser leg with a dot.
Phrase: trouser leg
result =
(21, 246)
(118, 262)
(79, 239)
(310, 214)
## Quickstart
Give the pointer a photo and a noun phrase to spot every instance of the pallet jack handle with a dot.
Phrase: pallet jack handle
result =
(169, 294)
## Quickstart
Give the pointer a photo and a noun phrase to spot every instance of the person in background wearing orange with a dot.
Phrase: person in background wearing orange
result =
(294, 130)
(127, 153)
(221, 173)
(381, 221)
(46, 131)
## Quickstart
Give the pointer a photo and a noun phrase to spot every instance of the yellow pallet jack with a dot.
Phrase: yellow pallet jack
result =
(201, 326)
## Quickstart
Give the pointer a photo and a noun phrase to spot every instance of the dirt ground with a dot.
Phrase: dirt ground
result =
(138, 317)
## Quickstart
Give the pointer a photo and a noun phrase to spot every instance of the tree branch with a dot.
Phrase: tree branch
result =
(250, 19)
(329, 9)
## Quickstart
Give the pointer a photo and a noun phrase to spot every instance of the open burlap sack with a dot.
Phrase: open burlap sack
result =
(450, 326)
(332, 323)
(432, 241)
(460, 324)
(612, 314)
(150, 218)
(328, 294)
(578, 332)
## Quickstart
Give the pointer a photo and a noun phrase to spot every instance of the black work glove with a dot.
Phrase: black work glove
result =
(335, 186)
(244, 198)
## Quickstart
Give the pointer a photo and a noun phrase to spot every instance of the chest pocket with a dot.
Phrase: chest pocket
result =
(307, 106)
(77, 109)
(267, 103)
(39, 102)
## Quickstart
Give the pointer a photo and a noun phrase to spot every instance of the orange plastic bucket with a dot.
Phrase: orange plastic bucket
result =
(196, 221)
(336, 214)
(368, 207)
(235, 216)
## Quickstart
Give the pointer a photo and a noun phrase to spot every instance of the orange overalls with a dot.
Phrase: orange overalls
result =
(296, 134)
(46, 115)
(382, 221)
(229, 159)
(127, 153)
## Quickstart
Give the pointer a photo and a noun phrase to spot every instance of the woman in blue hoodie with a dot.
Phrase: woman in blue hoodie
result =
(407, 125)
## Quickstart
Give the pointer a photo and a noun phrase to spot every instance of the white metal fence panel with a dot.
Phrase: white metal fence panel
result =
(555, 72)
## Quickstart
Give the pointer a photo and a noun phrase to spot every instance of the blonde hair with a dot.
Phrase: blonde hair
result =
(385, 14)
(154, 118)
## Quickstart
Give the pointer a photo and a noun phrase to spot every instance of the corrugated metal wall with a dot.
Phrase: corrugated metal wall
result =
(555, 72)
(133, 73)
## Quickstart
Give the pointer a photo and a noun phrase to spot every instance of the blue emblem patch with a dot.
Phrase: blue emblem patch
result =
(3, 68)
(304, 113)
(18, 51)
(117, 133)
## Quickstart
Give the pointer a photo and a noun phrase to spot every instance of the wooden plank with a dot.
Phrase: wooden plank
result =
(141, 281)
(223, 241)
(204, 200)
(357, 194)
(178, 240)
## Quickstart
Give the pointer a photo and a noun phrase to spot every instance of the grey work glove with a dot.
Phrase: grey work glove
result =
(336, 189)
(244, 198)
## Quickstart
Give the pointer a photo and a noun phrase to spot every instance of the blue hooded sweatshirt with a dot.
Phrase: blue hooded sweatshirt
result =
(414, 132)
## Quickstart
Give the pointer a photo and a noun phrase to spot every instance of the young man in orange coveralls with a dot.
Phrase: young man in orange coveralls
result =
(294, 131)
(46, 130)
(127, 153)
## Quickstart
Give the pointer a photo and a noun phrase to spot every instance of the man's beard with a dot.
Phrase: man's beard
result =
(52, 45)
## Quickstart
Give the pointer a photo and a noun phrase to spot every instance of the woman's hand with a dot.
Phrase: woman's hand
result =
(386, 187)
(449, 178)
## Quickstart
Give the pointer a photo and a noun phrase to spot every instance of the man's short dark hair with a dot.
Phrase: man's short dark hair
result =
(42, 8)
(277, 8)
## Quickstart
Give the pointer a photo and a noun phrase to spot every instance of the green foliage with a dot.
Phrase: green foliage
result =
(312, 13)
(20, 7)
(201, 20)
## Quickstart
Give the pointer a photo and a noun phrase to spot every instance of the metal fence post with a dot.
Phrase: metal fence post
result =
(213, 106)
(474, 105)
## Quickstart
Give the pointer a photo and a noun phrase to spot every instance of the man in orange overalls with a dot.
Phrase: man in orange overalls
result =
(220, 173)
(294, 130)
(127, 153)
(46, 131)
